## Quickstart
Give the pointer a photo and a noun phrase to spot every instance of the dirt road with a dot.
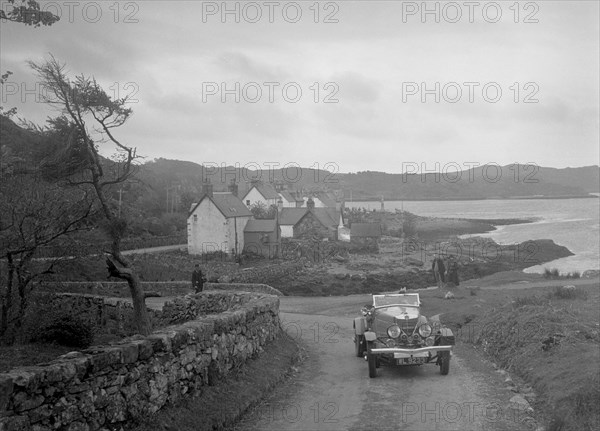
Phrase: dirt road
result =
(332, 390)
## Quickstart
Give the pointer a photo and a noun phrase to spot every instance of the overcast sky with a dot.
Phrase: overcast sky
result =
(175, 58)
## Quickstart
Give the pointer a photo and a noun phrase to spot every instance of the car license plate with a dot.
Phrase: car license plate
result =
(410, 361)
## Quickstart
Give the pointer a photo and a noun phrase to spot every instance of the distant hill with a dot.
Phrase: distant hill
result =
(173, 184)
(480, 183)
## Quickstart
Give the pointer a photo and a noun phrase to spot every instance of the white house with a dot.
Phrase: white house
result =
(264, 193)
(291, 199)
(216, 223)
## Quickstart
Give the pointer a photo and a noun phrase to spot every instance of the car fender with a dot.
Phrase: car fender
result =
(370, 336)
(360, 325)
(446, 337)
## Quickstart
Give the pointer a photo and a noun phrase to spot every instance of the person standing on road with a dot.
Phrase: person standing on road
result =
(197, 279)
(439, 271)
(452, 276)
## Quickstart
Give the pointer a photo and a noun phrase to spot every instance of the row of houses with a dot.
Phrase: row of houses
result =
(221, 221)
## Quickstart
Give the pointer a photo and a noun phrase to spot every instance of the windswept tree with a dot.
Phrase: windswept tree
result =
(88, 119)
(27, 12)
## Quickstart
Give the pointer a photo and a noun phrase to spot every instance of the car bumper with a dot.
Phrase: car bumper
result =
(418, 351)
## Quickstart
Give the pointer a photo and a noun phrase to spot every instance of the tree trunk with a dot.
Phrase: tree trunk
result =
(140, 312)
(7, 298)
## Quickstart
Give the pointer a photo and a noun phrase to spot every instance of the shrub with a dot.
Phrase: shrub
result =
(66, 330)
(555, 273)
(560, 292)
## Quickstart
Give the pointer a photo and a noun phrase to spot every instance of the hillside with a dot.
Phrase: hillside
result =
(171, 185)
(480, 183)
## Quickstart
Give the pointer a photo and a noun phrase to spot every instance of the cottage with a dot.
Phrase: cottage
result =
(262, 237)
(291, 199)
(300, 222)
(217, 222)
(259, 192)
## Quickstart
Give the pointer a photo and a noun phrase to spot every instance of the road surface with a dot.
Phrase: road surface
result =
(332, 390)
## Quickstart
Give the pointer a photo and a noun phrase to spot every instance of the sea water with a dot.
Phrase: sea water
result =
(573, 223)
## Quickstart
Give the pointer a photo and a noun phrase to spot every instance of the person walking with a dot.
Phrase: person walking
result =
(439, 271)
(197, 279)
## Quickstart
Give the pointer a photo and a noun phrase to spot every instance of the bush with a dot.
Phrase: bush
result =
(561, 292)
(66, 330)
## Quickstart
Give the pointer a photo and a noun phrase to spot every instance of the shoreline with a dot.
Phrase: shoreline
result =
(497, 198)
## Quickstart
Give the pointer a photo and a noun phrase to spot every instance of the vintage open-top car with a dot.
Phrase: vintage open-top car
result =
(393, 331)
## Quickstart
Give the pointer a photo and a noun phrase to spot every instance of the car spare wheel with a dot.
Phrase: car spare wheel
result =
(444, 362)
(359, 344)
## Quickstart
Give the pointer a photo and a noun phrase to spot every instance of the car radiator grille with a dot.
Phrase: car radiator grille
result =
(407, 325)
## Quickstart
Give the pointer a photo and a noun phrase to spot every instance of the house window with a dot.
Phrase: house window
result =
(247, 202)
(195, 218)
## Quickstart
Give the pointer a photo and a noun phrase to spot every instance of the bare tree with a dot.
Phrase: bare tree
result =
(33, 213)
(27, 12)
(87, 121)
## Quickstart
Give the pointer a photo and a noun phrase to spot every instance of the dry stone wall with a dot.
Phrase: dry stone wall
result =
(102, 387)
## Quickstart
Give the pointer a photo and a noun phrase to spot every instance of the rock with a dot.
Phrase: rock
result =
(449, 295)
(520, 403)
(508, 380)
(590, 273)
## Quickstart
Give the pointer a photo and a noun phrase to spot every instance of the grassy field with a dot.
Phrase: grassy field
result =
(547, 336)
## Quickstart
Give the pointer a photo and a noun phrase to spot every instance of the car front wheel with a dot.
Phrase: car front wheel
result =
(444, 363)
(372, 360)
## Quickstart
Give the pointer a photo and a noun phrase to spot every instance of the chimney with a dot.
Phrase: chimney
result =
(207, 188)
(233, 187)
(310, 204)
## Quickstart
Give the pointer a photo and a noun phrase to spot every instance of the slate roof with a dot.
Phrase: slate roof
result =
(327, 200)
(291, 216)
(266, 190)
(365, 230)
(261, 226)
(229, 205)
(288, 196)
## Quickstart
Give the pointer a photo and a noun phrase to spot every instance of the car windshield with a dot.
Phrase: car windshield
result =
(387, 300)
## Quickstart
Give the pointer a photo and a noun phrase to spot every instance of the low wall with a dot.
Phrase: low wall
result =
(116, 288)
(106, 315)
(244, 287)
(102, 387)
(265, 274)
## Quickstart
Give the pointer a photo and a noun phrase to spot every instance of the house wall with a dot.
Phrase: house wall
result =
(254, 243)
(318, 203)
(209, 232)
(308, 226)
(255, 196)
(288, 204)
(236, 224)
(287, 231)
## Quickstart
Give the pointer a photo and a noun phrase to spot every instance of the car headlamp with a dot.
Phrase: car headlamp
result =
(425, 330)
(394, 331)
